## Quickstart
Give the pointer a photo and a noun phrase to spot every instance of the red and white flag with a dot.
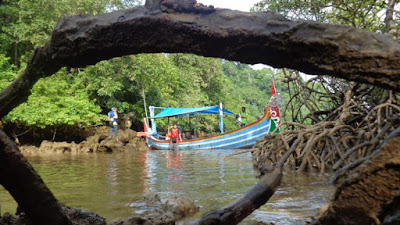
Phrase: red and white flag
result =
(274, 106)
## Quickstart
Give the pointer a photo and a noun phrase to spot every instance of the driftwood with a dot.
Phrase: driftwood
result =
(33, 197)
(252, 200)
(257, 37)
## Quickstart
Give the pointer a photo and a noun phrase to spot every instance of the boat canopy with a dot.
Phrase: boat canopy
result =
(173, 112)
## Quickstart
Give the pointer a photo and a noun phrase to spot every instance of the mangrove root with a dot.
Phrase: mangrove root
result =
(339, 139)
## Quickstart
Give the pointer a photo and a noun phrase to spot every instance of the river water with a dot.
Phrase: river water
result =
(108, 183)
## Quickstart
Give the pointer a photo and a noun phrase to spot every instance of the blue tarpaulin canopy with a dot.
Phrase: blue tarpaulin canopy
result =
(172, 112)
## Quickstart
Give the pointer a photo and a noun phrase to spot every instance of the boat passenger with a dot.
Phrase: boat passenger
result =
(175, 137)
(168, 137)
(239, 120)
(243, 116)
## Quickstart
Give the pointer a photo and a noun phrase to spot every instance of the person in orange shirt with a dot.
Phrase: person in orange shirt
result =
(175, 136)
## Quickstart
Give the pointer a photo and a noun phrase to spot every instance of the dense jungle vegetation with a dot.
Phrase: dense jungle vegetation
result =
(83, 96)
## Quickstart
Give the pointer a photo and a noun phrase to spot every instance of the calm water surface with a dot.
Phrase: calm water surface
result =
(108, 183)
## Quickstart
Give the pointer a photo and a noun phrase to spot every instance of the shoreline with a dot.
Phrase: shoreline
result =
(97, 143)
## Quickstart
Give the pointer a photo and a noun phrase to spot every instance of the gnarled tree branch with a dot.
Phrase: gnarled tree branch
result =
(257, 37)
(26, 187)
(252, 200)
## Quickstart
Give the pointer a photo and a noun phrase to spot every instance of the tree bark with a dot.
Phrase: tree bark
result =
(390, 213)
(153, 4)
(257, 37)
(27, 188)
(359, 199)
(389, 22)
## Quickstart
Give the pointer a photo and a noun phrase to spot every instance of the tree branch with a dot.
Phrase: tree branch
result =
(252, 200)
(26, 187)
(257, 37)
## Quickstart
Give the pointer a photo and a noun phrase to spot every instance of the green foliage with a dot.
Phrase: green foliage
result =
(53, 102)
(358, 13)
(26, 24)
(251, 88)
(174, 80)
(7, 72)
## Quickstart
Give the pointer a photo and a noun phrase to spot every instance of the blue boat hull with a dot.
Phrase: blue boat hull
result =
(244, 137)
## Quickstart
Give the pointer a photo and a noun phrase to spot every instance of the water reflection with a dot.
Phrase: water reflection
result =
(108, 183)
(112, 175)
(173, 163)
(221, 171)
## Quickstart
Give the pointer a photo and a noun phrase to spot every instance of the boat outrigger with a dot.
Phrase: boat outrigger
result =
(244, 137)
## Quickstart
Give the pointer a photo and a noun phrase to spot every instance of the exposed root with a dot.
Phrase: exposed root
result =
(339, 139)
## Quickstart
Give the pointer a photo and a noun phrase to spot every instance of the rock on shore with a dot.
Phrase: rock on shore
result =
(97, 143)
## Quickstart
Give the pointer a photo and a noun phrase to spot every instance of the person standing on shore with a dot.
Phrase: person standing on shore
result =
(112, 118)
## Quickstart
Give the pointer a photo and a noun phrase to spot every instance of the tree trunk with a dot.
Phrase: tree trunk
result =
(389, 22)
(359, 199)
(390, 213)
(152, 4)
(252, 200)
(27, 188)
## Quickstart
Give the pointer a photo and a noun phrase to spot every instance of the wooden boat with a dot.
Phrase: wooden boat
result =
(244, 137)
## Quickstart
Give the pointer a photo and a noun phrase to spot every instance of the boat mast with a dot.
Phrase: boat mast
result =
(221, 114)
(153, 123)
(145, 106)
